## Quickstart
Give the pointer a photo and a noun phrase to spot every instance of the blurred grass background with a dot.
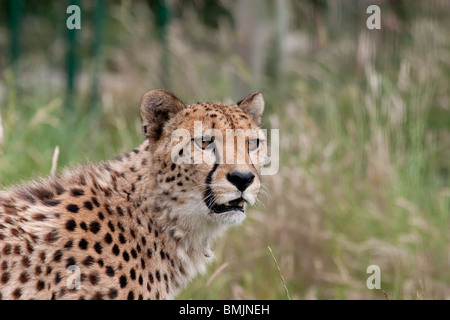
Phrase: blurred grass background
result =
(364, 119)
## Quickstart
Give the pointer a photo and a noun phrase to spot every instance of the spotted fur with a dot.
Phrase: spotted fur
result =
(135, 227)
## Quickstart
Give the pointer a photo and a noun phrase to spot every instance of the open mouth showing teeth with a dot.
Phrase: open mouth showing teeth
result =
(236, 204)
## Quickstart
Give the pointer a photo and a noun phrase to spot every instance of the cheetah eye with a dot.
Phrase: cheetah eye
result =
(204, 143)
(253, 144)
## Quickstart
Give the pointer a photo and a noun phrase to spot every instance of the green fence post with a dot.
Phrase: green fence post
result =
(71, 62)
(15, 15)
(99, 14)
(163, 19)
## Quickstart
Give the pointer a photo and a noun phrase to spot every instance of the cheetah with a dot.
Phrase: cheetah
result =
(139, 226)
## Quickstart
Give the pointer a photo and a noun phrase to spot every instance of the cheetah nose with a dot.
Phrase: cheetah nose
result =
(241, 180)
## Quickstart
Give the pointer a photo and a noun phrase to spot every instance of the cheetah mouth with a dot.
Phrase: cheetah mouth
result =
(233, 205)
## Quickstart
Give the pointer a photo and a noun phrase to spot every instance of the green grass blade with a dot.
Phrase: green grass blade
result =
(281, 275)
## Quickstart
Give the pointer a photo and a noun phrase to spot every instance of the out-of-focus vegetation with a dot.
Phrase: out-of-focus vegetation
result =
(364, 119)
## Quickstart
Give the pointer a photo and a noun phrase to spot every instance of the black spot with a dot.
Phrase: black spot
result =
(83, 244)
(38, 270)
(72, 208)
(94, 227)
(142, 263)
(41, 194)
(83, 226)
(30, 248)
(58, 188)
(126, 256)
(71, 225)
(68, 244)
(100, 215)
(57, 256)
(57, 278)
(115, 250)
(130, 295)
(110, 271)
(133, 274)
(94, 278)
(120, 226)
(100, 262)
(122, 238)
(108, 238)
(98, 247)
(149, 252)
(76, 192)
(111, 226)
(173, 166)
(88, 205)
(133, 253)
(39, 217)
(182, 271)
(141, 281)
(98, 296)
(17, 293)
(17, 249)
(24, 277)
(70, 262)
(95, 201)
(119, 211)
(52, 236)
(88, 261)
(112, 293)
(26, 261)
(123, 281)
(150, 277)
(158, 275)
(51, 202)
(108, 209)
(5, 277)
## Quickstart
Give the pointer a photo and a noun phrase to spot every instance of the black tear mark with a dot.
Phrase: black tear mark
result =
(209, 197)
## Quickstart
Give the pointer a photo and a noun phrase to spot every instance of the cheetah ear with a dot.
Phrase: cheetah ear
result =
(157, 107)
(253, 104)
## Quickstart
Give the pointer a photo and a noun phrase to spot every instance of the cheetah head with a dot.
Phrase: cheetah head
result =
(206, 157)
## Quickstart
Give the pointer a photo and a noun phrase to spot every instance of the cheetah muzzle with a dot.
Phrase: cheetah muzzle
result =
(139, 226)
